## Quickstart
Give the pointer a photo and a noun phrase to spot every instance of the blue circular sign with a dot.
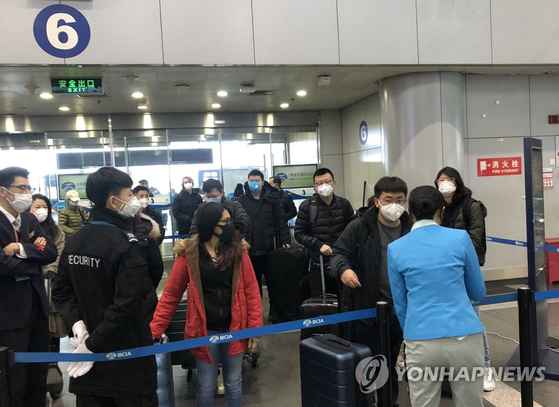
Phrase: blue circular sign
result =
(61, 31)
(68, 185)
(363, 132)
(283, 176)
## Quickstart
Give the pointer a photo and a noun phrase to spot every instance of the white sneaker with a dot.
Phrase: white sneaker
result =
(488, 380)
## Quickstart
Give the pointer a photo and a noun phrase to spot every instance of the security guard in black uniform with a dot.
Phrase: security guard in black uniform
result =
(105, 294)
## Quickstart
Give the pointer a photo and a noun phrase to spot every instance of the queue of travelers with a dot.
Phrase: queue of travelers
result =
(106, 265)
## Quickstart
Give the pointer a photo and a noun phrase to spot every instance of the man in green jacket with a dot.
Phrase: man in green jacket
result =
(72, 217)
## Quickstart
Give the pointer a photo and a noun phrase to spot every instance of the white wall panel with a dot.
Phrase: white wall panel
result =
(122, 32)
(207, 32)
(525, 31)
(368, 110)
(377, 32)
(295, 32)
(504, 100)
(454, 32)
(494, 192)
(331, 132)
(544, 100)
(18, 45)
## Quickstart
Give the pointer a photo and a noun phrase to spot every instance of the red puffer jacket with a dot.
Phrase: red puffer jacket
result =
(246, 309)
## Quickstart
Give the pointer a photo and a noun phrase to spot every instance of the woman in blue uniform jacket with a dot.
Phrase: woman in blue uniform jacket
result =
(434, 274)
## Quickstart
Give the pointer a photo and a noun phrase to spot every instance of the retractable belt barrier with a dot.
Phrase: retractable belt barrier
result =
(519, 243)
(44, 357)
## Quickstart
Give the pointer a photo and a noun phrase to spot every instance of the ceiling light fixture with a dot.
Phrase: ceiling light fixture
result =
(247, 89)
(301, 93)
(222, 93)
(182, 88)
(45, 95)
(284, 105)
(130, 79)
(137, 95)
(219, 121)
(216, 105)
(64, 108)
(142, 107)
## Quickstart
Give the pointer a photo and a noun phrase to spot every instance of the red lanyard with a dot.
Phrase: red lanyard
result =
(15, 232)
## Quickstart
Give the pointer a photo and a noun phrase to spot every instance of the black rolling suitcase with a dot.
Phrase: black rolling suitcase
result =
(326, 304)
(287, 281)
(328, 372)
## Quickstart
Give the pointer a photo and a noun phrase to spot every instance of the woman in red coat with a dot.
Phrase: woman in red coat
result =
(223, 296)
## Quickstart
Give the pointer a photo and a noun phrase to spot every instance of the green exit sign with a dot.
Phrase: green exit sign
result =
(76, 85)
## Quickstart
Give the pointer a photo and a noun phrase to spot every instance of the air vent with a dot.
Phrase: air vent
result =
(93, 95)
(262, 93)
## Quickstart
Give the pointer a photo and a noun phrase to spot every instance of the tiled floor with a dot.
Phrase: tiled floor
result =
(275, 382)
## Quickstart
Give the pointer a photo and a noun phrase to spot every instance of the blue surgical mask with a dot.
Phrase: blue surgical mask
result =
(216, 200)
(254, 186)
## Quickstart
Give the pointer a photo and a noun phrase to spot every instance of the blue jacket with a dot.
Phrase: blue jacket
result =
(434, 274)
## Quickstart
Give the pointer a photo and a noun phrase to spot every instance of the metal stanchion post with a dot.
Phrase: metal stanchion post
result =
(525, 304)
(6, 361)
(383, 318)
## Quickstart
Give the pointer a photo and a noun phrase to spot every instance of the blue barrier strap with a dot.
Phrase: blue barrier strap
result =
(519, 243)
(497, 299)
(176, 237)
(546, 295)
(43, 357)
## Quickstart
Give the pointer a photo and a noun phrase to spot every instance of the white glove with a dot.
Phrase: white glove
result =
(77, 369)
(80, 333)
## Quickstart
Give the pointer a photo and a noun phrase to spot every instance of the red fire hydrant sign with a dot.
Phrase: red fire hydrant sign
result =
(489, 167)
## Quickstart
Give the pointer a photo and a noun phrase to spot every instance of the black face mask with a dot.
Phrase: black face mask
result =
(227, 232)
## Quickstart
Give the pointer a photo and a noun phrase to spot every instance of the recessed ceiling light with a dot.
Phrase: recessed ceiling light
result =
(284, 105)
(219, 121)
(137, 95)
(64, 108)
(142, 107)
(222, 93)
(301, 93)
(45, 95)
(216, 105)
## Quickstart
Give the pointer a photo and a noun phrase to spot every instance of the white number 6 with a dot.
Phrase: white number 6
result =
(53, 30)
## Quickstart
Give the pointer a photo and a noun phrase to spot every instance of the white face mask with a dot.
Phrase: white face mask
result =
(41, 214)
(129, 209)
(447, 188)
(21, 203)
(392, 212)
(325, 190)
(144, 202)
(187, 185)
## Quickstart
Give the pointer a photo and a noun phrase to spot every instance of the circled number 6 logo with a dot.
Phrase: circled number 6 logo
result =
(61, 31)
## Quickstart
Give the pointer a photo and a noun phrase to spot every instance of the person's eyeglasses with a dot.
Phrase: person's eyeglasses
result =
(398, 201)
(22, 188)
(227, 221)
(438, 181)
(327, 182)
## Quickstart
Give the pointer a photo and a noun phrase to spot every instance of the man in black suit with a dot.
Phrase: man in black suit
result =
(23, 301)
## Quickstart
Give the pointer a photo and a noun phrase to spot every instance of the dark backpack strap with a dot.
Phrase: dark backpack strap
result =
(467, 210)
(81, 214)
(313, 212)
(345, 208)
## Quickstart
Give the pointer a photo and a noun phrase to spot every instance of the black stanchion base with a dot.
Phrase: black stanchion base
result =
(548, 359)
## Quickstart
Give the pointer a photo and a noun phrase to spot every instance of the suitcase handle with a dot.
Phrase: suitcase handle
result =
(337, 340)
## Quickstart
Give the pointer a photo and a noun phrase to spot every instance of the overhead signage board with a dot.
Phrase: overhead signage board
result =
(76, 85)
(489, 167)
(296, 176)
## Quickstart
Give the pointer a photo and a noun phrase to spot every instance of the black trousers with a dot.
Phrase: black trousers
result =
(83, 400)
(28, 381)
(368, 335)
(260, 266)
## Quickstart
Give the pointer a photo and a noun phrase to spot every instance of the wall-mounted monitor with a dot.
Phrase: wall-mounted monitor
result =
(296, 176)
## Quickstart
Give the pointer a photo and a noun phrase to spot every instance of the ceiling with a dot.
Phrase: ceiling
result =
(349, 84)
